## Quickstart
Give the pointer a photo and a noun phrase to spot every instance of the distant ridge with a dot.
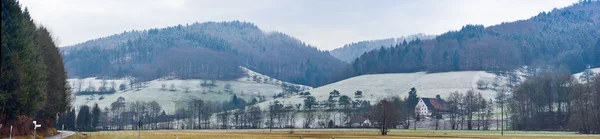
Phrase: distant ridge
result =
(566, 40)
(353, 50)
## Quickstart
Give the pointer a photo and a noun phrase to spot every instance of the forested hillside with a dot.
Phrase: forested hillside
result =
(351, 51)
(33, 82)
(565, 39)
(211, 50)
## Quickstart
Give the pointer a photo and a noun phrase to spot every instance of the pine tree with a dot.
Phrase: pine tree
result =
(22, 80)
(57, 88)
(412, 101)
(412, 98)
(96, 112)
(84, 118)
(71, 120)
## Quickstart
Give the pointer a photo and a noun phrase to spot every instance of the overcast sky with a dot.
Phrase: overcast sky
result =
(327, 24)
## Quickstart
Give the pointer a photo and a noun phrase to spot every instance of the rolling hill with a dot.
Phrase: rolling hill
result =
(566, 39)
(379, 86)
(210, 50)
(171, 93)
(375, 87)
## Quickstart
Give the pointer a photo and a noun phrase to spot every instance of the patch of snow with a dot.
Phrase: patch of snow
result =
(379, 86)
(578, 75)
(255, 77)
(171, 100)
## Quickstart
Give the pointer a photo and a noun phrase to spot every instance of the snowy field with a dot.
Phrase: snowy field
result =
(378, 86)
(250, 86)
(578, 75)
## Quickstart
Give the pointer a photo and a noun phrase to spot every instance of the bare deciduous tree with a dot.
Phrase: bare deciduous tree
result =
(309, 118)
(384, 116)
(185, 87)
(255, 116)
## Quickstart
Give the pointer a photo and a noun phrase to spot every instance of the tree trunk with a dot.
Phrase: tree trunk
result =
(469, 122)
(502, 119)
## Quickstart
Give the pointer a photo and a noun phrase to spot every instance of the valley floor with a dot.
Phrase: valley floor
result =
(329, 133)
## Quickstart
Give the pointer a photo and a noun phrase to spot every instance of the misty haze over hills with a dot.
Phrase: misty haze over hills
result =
(351, 51)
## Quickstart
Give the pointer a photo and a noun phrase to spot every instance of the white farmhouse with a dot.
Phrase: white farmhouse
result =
(427, 106)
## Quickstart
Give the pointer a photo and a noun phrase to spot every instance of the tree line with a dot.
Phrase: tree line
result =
(465, 111)
(123, 115)
(33, 83)
(556, 101)
(545, 101)
(104, 88)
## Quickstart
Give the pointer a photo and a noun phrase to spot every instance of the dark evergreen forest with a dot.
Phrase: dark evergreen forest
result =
(33, 83)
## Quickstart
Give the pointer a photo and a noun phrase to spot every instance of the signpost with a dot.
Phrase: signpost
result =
(35, 126)
(62, 130)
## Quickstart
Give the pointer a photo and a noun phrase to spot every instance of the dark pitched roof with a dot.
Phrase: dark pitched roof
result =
(436, 104)
(357, 119)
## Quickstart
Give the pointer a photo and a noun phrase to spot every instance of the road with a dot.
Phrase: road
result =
(61, 134)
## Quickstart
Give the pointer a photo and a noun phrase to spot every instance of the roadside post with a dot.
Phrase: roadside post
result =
(63, 129)
(35, 126)
(139, 127)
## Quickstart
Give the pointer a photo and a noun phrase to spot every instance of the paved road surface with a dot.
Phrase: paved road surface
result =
(61, 134)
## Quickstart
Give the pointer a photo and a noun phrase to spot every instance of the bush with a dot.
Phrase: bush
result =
(482, 85)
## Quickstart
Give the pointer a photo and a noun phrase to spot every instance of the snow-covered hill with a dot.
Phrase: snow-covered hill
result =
(379, 86)
(173, 94)
(253, 85)
(578, 75)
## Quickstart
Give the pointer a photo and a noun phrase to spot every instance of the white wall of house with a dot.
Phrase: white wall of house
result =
(421, 108)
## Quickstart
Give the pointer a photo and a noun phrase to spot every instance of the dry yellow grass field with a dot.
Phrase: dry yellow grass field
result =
(328, 134)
